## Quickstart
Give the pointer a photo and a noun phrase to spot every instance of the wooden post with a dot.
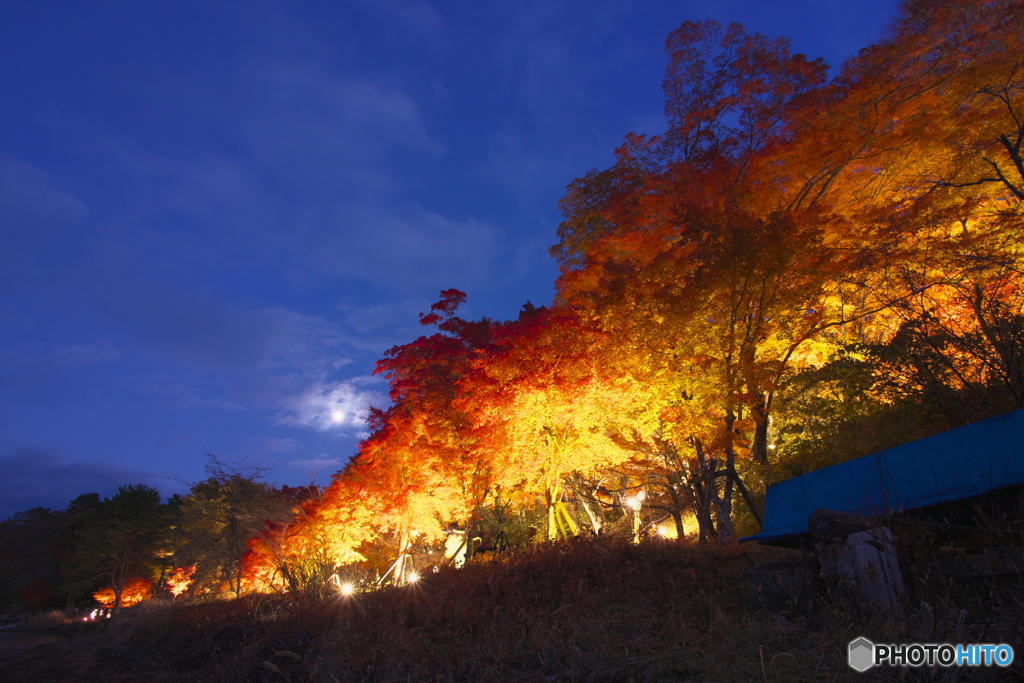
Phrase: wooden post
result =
(567, 523)
(858, 558)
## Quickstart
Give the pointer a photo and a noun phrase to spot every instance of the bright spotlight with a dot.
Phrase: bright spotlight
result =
(347, 589)
(414, 577)
(636, 501)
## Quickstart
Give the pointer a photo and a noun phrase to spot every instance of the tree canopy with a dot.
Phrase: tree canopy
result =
(795, 256)
(799, 270)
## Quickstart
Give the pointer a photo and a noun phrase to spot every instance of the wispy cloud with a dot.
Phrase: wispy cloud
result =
(86, 354)
(30, 198)
(180, 397)
(317, 464)
(416, 20)
(190, 326)
(279, 445)
(406, 249)
(43, 370)
(308, 129)
(331, 406)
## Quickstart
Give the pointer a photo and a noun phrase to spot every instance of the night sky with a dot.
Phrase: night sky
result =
(215, 216)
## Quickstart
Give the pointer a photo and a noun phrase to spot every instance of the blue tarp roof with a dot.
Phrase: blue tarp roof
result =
(960, 463)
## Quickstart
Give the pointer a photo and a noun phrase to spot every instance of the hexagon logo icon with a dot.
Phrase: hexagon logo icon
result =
(862, 654)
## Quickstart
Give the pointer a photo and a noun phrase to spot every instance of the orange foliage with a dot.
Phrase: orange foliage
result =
(779, 218)
(181, 580)
(136, 589)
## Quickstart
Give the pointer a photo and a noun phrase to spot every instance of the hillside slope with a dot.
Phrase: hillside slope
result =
(588, 610)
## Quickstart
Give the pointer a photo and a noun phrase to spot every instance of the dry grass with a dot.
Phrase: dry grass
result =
(44, 621)
(589, 610)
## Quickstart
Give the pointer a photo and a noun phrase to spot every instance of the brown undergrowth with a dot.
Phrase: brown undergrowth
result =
(587, 610)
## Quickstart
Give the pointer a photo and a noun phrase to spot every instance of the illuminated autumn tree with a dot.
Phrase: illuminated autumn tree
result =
(135, 590)
(781, 223)
(180, 580)
(219, 516)
(118, 538)
(715, 306)
(950, 90)
(422, 456)
(541, 409)
(415, 474)
(303, 555)
(781, 217)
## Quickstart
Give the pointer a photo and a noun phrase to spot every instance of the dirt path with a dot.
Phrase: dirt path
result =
(13, 642)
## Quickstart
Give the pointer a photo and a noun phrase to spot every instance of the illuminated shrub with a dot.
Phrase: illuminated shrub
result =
(136, 589)
(181, 580)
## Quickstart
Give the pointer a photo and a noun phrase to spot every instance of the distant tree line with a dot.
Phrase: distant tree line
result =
(133, 545)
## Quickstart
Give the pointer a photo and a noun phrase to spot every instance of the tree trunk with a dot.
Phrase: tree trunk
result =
(552, 526)
(678, 519)
(235, 562)
(674, 485)
(724, 504)
(637, 521)
(759, 448)
(724, 509)
(595, 522)
(470, 532)
(706, 491)
(725, 528)
(118, 579)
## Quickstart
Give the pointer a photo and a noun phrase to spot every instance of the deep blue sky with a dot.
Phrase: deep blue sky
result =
(215, 216)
